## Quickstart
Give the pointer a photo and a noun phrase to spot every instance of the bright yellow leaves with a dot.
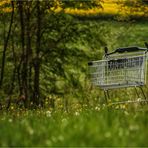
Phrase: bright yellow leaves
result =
(6, 10)
(3, 2)
(112, 7)
(76, 11)
(109, 7)
(57, 7)
(5, 6)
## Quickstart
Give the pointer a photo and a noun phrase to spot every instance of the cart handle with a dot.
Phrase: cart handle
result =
(90, 63)
(128, 49)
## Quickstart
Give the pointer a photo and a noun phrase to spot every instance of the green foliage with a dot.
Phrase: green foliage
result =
(67, 44)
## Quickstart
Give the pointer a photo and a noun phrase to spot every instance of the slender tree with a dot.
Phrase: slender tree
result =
(36, 93)
(6, 45)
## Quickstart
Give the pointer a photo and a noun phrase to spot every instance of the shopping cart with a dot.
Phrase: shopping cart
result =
(125, 67)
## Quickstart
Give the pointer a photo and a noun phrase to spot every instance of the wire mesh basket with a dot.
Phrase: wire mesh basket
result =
(119, 71)
(124, 67)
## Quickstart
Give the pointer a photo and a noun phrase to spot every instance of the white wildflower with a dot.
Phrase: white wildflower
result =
(48, 113)
(10, 120)
(97, 108)
(77, 113)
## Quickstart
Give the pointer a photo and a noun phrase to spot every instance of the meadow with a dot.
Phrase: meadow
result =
(88, 127)
(91, 123)
(88, 121)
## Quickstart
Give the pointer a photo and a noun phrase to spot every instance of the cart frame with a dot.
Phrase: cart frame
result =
(122, 68)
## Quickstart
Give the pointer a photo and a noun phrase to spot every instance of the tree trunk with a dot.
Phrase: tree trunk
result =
(36, 94)
(23, 67)
(29, 49)
(5, 46)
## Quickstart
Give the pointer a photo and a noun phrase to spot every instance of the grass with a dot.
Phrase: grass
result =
(89, 127)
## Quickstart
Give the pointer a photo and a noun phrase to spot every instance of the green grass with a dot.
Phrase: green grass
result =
(90, 127)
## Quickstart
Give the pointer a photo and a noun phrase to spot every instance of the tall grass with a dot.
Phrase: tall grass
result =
(89, 127)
